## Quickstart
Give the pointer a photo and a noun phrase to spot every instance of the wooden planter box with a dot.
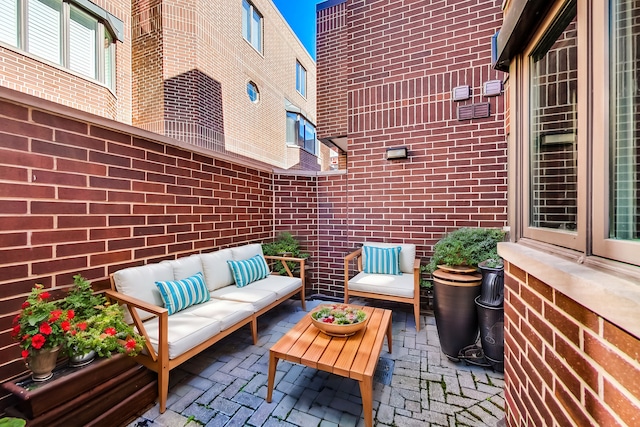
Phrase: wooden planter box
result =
(105, 392)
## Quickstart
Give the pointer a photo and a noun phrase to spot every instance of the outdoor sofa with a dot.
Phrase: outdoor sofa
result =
(185, 305)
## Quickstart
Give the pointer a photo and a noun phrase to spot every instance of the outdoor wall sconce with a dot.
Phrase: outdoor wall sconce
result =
(397, 153)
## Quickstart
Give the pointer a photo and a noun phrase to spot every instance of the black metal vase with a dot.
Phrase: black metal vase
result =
(455, 308)
(492, 289)
(491, 322)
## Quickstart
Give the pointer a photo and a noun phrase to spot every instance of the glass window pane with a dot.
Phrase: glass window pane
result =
(310, 138)
(291, 132)
(553, 126)
(82, 43)
(44, 29)
(256, 31)
(301, 79)
(301, 125)
(109, 61)
(9, 22)
(253, 92)
(246, 24)
(624, 158)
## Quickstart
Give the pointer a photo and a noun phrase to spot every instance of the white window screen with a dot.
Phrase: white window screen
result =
(9, 22)
(44, 29)
(82, 43)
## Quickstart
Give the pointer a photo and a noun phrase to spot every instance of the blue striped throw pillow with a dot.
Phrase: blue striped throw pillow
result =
(382, 260)
(248, 270)
(180, 294)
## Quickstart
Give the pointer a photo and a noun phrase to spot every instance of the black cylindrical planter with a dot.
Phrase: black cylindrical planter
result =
(455, 311)
(491, 321)
(492, 290)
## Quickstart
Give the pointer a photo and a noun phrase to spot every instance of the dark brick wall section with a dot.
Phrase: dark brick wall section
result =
(564, 365)
(81, 199)
(402, 61)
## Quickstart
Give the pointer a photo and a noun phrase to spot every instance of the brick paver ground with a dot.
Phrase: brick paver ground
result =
(226, 385)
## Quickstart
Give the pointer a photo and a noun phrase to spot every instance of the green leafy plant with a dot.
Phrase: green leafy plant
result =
(466, 247)
(12, 422)
(284, 245)
(425, 283)
(97, 324)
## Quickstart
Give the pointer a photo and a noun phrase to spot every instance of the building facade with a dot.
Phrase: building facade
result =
(227, 76)
(572, 335)
(413, 76)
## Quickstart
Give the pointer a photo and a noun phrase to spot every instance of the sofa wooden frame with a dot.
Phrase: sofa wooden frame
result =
(356, 256)
(158, 361)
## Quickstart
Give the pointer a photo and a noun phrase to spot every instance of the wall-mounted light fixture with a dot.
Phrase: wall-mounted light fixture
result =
(396, 153)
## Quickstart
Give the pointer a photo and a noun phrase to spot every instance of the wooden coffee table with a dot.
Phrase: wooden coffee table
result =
(352, 357)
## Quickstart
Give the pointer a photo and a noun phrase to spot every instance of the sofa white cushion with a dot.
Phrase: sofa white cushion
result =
(281, 285)
(247, 251)
(185, 331)
(227, 312)
(140, 282)
(217, 273)
(185, 267)
(259, 298)
(384, 284)
(407, 254)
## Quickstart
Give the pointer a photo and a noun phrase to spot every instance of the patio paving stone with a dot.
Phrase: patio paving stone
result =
(226, 384)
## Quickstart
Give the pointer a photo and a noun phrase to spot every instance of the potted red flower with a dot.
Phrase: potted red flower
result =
(41, 329)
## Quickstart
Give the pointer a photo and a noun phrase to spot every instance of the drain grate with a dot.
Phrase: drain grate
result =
(384, 371)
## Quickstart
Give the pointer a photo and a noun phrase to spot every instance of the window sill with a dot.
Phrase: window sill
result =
(613, 297)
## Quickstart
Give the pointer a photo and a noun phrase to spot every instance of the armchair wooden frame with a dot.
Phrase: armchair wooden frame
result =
(356, 256)
(158, 361)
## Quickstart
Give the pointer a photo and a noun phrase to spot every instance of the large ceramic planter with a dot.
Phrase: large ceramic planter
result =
(455, 291)
(42, 363)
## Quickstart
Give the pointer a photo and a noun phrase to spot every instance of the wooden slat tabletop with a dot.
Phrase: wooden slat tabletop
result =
(355, 356)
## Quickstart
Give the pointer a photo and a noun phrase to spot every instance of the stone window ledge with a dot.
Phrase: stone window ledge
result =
(614, 297)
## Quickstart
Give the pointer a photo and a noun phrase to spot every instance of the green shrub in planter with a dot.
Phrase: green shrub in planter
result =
(284, 245)
(467, 247)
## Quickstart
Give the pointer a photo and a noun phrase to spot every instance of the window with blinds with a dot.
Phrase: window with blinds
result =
(63, 33)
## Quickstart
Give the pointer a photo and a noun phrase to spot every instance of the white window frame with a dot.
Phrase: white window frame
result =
(301, 79)
(102, 45)
(590, 242)
(252, 29)
(300, 124)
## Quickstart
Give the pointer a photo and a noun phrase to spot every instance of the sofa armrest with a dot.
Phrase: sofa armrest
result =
(357, 255)
(285, 259)
(160, 312)
(416, 276)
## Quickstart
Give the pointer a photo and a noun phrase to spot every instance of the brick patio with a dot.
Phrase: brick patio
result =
(226, 385)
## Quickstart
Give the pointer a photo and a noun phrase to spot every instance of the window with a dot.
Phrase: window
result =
(252, 25)
(301, 79)
(301, 132)
(253, 92)
(64, 33)
(579, 139)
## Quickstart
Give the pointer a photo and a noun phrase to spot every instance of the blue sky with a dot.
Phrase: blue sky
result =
(301, 16)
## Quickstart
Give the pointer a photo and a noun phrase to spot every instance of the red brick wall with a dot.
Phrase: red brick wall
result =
(82, 198)
(404, 58)
(332, 60)
(564, 365)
